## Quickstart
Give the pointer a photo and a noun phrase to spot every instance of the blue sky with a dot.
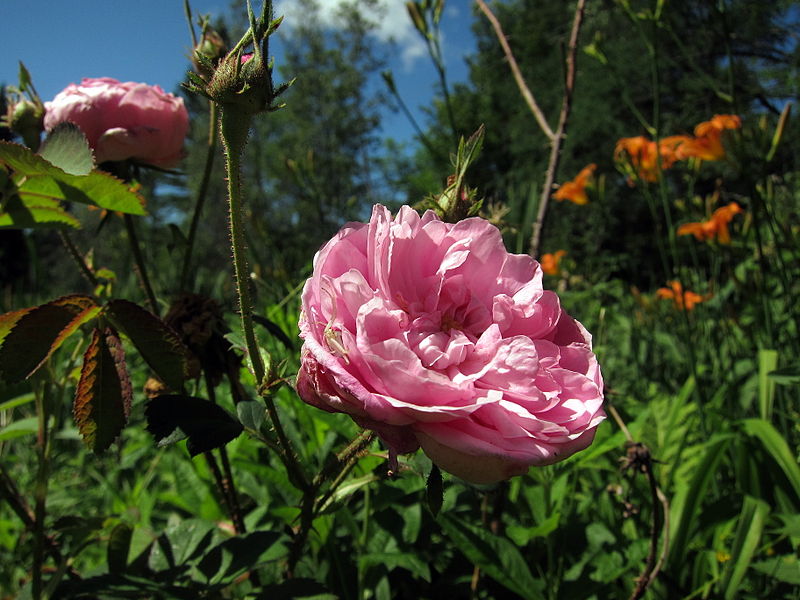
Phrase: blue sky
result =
(148, 41)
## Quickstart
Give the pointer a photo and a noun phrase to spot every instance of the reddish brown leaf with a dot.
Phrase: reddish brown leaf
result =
(99, 409)
(118, 354)
(34, 334)
(9, 319)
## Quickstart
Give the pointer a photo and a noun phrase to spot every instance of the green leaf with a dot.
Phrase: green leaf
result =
(392, 560)
(498, 557)
(433, 492)
(783, 568)
(36, 333)
(347, 489)
(296, 589)
(23, 212)
(189, 538)
(25, 81)
(119, 543)
(786, 376)
(103, 190)
(252, 414)
(18, 401)
(521, 536)
(205, 424)
(767, 361)
(748, 534)
(101, 407)
(97, 188)
(19, 428)
(157, 342)
(238, 554)
(688, 500)
(776, 447)
(275, 331)
(412, 522)
(66, 147)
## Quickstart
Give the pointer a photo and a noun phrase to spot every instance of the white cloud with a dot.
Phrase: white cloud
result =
(391, 18)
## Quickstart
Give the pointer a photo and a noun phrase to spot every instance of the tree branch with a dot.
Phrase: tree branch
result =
(527, 95)
(557, 140)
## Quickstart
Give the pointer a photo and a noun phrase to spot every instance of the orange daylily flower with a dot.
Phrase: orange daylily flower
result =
(642, 155)
(550, 262)
(645, 155)
(707, 144)
(575, 190)
(683, 300)
(674, 148)
(715, 227)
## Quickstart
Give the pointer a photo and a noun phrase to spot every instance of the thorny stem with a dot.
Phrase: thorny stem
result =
(345, 459)
(233, 132)
(79, 260)
(234, 138)
(557, 141)
(211, 151)
(310, 506)
(652, 566)
(643, 581)
(138, 259)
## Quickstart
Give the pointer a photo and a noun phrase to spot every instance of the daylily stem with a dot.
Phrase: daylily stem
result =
(211, 151)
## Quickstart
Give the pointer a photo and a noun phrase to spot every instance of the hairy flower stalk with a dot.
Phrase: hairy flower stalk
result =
(241, 87)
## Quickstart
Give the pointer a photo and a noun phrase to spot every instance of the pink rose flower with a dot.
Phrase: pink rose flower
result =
(433, 335)
(124, 121)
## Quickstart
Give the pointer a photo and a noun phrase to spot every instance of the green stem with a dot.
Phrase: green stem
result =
(202, 192)
(435, 51)
(226, 482)
(79, 260)
(138, 258)
(417, 129)
(234, 138)
(40, 491)
(363, 541)
(233, 131)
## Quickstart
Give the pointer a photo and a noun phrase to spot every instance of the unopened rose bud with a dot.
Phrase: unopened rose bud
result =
(207, 54)
(26, 119)
(241, 83)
